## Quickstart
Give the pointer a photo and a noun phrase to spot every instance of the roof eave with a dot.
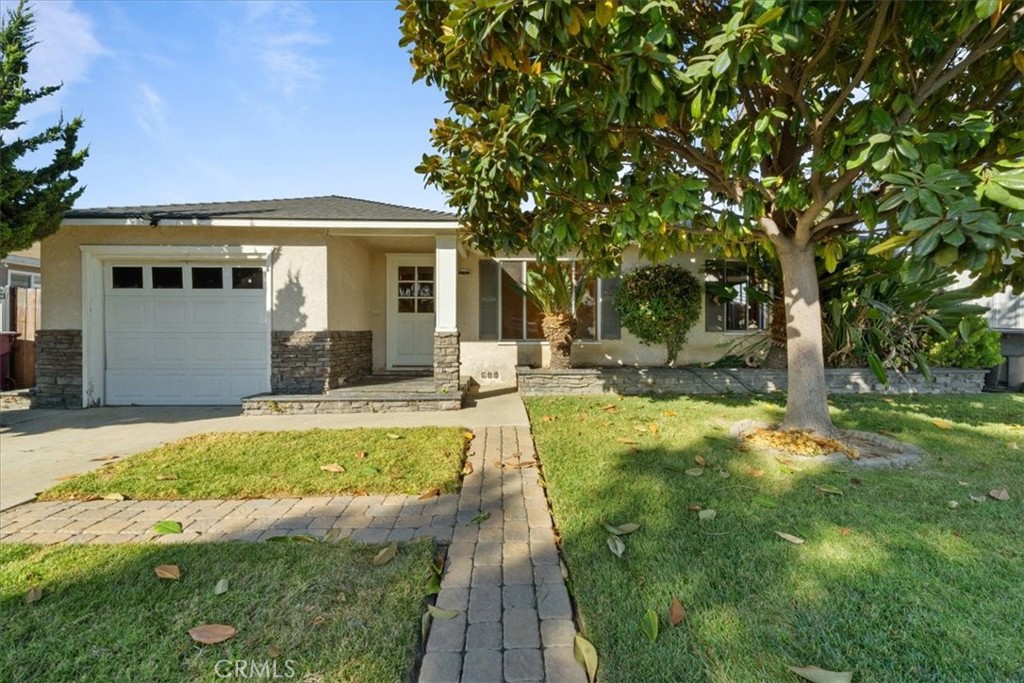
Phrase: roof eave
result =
(316, 224)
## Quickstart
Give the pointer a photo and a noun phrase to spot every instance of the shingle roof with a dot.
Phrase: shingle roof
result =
(329, 208)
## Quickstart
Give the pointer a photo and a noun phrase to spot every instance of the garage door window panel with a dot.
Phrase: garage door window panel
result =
(127, 277)
(247, 278)
(207, 278)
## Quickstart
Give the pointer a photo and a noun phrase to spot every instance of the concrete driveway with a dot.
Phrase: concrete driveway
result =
(38, 447)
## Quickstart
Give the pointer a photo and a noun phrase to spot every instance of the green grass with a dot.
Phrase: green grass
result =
(105, 616)
(281, 464)
(915, 592)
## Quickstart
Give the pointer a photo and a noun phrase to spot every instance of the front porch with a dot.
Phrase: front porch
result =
(399, 392)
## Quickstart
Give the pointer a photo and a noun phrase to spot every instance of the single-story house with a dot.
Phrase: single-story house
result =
(20, 269)
(210, 303)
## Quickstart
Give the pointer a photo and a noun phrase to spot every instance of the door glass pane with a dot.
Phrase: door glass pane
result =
(425, 306)
(406, 305)
(167, 277)
(127, 277)
(406, 289)
(247, 278)
(425, 290)
(207, 278)
(406, 273)
(425, 273)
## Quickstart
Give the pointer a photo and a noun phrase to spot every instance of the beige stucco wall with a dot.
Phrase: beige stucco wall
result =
(298, 272)
(348, 284)
(480, 358)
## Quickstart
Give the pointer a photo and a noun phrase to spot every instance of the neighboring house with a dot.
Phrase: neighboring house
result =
(19, 269)
(208, 303)
(1006, 314)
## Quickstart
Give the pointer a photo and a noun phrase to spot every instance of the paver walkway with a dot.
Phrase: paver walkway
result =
(504, 576)
(503, 573)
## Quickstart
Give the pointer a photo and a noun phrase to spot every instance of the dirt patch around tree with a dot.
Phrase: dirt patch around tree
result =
(862, 450)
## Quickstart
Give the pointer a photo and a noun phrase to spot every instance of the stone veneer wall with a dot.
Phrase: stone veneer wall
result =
(632, 381)
(313, 362)
(446, 361)
(58, 369)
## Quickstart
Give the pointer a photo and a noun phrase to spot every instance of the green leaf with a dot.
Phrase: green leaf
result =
(816, 675)
(167, 526)
(586, 654)
(770, 16)
(983, 9)
(832, 490)
(479, 518)
(649, 625)
(439, 613)
(605, 11)
(721, 64)
(622, 529)
(875, 363)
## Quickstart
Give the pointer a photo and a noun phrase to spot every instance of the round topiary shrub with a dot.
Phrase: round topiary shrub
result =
(659, 304)
(973, 345)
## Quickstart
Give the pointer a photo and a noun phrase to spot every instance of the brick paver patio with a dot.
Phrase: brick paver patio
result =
(503, 573)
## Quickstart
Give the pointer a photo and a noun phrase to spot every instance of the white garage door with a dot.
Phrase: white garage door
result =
(185, 333)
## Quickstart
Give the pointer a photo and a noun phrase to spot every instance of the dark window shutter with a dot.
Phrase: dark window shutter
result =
(489, 314)
(610, 327)
(714, 311)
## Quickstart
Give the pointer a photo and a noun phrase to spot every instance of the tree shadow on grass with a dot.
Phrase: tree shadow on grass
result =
(891, 583)
(105, 616)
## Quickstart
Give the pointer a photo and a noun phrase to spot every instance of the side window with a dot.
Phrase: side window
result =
(735, 300)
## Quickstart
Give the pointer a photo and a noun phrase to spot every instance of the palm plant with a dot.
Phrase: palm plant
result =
(557, 293)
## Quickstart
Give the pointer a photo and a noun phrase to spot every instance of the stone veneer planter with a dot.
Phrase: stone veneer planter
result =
(58, 369)
(311, 362)
(320, 404)
(630, 381)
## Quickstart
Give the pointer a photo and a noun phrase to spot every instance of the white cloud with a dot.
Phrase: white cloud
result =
(66, 45)
(150, 111)
(280, 37)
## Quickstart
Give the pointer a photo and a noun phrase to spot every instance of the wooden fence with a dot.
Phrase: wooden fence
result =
(25, 314)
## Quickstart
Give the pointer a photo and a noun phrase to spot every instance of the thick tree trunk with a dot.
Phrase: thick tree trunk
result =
(560, 331)
(807, 396)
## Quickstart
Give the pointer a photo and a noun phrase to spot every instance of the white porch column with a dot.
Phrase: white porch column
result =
(446, 328)
(446, 274)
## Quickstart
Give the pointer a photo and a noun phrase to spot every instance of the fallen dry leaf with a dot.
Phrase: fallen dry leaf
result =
(385, 556)
(796, 540)
(166, 477)
(211, 634)
(360, 455)
(220, 587)
(608, 408)
(845, 531)
(1000, 493)
(168, 571)
(34, 594)
(432, 492)
(333, 467)
(114, 496)
(467, 469)
(977, 499)
(676, 612)
(694, 507)
(707, 515)
(669, 413)
(616, 545)
(695, 471)
(548, 418)
(468, 435)
(640, 429)
(1013, 446)
(273, 652)
(586, 654)
(66, 477)
(106, 458)
(652, 428)
(439, 613)
(628, 442)
(952, 504)
(699, 459)
(942, 424)
(754, 472)
(392, 435)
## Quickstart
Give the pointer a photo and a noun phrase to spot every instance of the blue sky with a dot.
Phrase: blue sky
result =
(215, 101)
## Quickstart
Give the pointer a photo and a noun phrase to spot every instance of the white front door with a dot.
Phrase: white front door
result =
(411, 290)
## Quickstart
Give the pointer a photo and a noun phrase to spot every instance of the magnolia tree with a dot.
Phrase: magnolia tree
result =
(676, 125)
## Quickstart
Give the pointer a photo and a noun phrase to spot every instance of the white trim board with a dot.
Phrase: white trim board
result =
(324, 224)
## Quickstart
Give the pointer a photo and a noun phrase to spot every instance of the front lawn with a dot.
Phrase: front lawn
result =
(322, 611)
(891, 583)
(280, 465)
